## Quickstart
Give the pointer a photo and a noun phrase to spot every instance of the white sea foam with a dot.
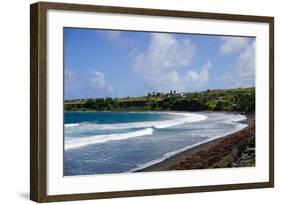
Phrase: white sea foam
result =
(71, 125)
(185, 117)
(80, 142)
(235, 120)
(147, 129)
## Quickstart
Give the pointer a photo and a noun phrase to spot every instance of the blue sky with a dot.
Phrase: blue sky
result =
(104, 63)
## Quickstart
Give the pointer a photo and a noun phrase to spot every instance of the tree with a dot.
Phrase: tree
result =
(90, 103)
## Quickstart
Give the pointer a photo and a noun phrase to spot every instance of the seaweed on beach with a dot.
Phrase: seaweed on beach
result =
(236, 150)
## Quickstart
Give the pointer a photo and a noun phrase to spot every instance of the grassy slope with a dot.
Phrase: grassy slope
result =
(240, 99)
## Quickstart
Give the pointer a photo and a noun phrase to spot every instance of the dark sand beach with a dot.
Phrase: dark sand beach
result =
(234, 150)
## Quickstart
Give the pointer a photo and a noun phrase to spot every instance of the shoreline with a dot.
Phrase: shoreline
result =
(210, 154)
(165, 112)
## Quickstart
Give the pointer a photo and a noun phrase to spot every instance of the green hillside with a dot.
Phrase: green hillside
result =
(240, 100)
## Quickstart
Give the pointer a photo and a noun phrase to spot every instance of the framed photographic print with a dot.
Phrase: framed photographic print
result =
(134, 102)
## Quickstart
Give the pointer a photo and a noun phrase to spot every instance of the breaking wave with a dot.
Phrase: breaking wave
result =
(96, 139)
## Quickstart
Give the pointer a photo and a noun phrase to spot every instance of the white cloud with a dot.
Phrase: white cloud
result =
(116, 38)
(198, 79)
(164, 64)
(245, 65)
(112, 35)
(97, 80)
(243, 73)
(233, 44)
(68, 75)
(246, 62)
(165, 53)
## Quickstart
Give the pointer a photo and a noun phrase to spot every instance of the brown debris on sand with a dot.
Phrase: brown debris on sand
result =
(229, 152)
(234, 150)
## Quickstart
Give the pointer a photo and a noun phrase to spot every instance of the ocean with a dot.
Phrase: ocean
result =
(119, 142)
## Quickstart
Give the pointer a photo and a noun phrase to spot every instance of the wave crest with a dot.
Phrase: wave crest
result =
(97, 139)
(186, 117)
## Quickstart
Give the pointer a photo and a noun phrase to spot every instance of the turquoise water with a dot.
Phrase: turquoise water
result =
(117, 142)
(111, 117)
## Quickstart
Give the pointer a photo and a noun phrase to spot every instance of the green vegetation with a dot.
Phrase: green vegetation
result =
(243, 156)
(240, 100)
